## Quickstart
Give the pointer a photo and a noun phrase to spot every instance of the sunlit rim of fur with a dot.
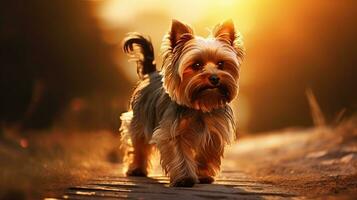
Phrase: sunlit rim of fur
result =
(170, 69)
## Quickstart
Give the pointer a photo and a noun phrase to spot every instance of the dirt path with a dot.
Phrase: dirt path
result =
(316, 163)
(309, 163)
(230, 185)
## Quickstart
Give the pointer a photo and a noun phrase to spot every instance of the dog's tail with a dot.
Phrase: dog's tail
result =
(140, 49)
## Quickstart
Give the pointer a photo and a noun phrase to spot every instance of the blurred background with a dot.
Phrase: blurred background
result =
(65, 80)
(62, 63)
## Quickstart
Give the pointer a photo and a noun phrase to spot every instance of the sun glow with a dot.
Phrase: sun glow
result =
(115, 13)
(153, 17)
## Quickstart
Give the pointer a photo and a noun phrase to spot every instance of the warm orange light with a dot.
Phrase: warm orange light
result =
(24, 143)
(153, 17)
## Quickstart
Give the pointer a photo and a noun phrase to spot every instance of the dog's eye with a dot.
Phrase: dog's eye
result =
(220, 64)
(197, 66)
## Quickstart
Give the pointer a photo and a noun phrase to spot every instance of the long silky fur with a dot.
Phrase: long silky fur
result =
(140, 49)
(191, 142)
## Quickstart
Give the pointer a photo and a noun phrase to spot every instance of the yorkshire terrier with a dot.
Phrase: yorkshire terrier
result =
(183, 109)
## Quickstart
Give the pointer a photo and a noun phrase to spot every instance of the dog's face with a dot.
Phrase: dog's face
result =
(202, 73)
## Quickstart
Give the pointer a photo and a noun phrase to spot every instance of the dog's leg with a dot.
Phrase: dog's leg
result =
(208, 160)
(177, 158)
(140, 158)
(207, 167)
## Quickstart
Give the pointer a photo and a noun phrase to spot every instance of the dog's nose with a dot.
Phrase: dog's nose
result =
(214, 79)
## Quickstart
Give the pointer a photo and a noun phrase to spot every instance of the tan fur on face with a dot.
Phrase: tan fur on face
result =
(179, 110)
(178, 73)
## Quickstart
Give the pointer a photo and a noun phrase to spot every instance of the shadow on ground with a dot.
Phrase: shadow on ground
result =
(156, 187)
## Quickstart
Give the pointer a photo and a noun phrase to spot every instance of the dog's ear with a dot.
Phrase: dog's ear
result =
(179, 32)
(225, 31)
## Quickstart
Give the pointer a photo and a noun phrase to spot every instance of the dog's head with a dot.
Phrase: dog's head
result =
(202, 73)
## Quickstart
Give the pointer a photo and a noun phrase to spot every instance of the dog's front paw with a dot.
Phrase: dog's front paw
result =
(206, 180)
(137, 172)
(185, 182)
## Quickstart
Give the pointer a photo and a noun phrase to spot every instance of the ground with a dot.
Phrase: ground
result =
(318, 162)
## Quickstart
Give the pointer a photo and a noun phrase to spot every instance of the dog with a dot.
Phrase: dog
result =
(183, 109)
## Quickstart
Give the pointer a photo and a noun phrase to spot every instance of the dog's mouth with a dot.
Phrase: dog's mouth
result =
(221, 89)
